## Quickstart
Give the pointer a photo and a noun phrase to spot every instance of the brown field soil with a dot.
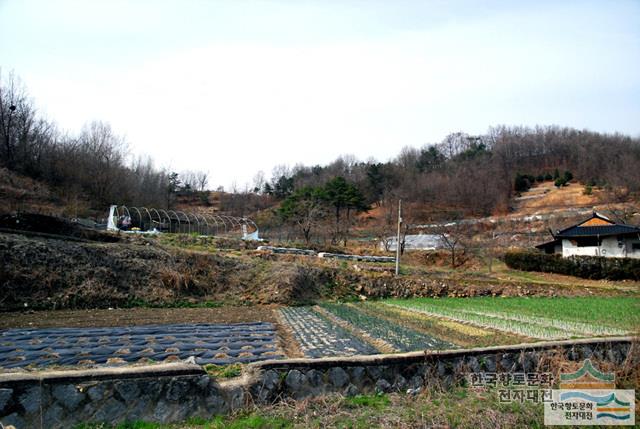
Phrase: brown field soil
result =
(135, 316)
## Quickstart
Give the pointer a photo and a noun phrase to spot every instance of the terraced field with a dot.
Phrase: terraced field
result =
(401, 338)
(346, 329)
(330, 329)
(208, 343)
(461, 334)
(394, 325)
(318, 337)
(540, 318)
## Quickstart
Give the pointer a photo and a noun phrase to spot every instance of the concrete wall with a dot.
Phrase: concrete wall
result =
(174, 392)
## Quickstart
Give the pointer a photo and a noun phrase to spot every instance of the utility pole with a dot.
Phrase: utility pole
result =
(398, 238)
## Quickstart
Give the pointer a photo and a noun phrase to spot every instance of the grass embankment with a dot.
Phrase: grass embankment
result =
(52, 274)
(414, 263)
(500, 272)
(458, 407)
(223, 371)
(175, 270)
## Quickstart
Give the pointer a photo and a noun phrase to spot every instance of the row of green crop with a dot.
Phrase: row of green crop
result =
(400, 337)
(578, 328)
(588, 314)
(569, 327)
(485, 321)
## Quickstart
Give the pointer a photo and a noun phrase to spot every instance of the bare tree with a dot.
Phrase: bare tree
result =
(624, 213)
(386, 225)
(189, 180)
(454, 236)
(202, 180)
(102, 168)
(14, 108)
(258, 182)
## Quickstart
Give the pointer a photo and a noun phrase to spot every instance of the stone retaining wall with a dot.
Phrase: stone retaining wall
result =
(162, 393)
(174, 392)
(299, 378)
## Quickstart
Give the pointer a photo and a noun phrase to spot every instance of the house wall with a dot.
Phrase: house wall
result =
(609, 248)
(631, 253)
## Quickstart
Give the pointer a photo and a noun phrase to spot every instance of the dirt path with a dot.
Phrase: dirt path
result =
(608, 287)
(135, 316)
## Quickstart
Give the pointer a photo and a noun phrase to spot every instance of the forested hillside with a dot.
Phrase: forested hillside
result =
(476, 175)
(461, 176)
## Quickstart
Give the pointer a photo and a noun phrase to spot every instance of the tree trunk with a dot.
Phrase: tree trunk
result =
(453, 257)
(337, 234)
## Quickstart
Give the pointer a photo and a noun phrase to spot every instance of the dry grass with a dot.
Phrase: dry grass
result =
(455, 408)
(545, 197)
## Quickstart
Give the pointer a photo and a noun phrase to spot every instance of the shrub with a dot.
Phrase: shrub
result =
(560, 182)
(589, 267)
(523, 182)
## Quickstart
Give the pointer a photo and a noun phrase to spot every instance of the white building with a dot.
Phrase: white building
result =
(596, 236)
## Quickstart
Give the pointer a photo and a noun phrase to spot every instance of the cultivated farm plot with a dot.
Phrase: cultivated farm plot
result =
(208, 343)
(318, 337)
(401, 338)
(540, 318)
(346, 330)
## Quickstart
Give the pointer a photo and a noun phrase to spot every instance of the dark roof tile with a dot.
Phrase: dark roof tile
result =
(605, 230)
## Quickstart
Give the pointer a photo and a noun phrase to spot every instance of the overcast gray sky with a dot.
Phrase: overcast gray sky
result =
(233, 87)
